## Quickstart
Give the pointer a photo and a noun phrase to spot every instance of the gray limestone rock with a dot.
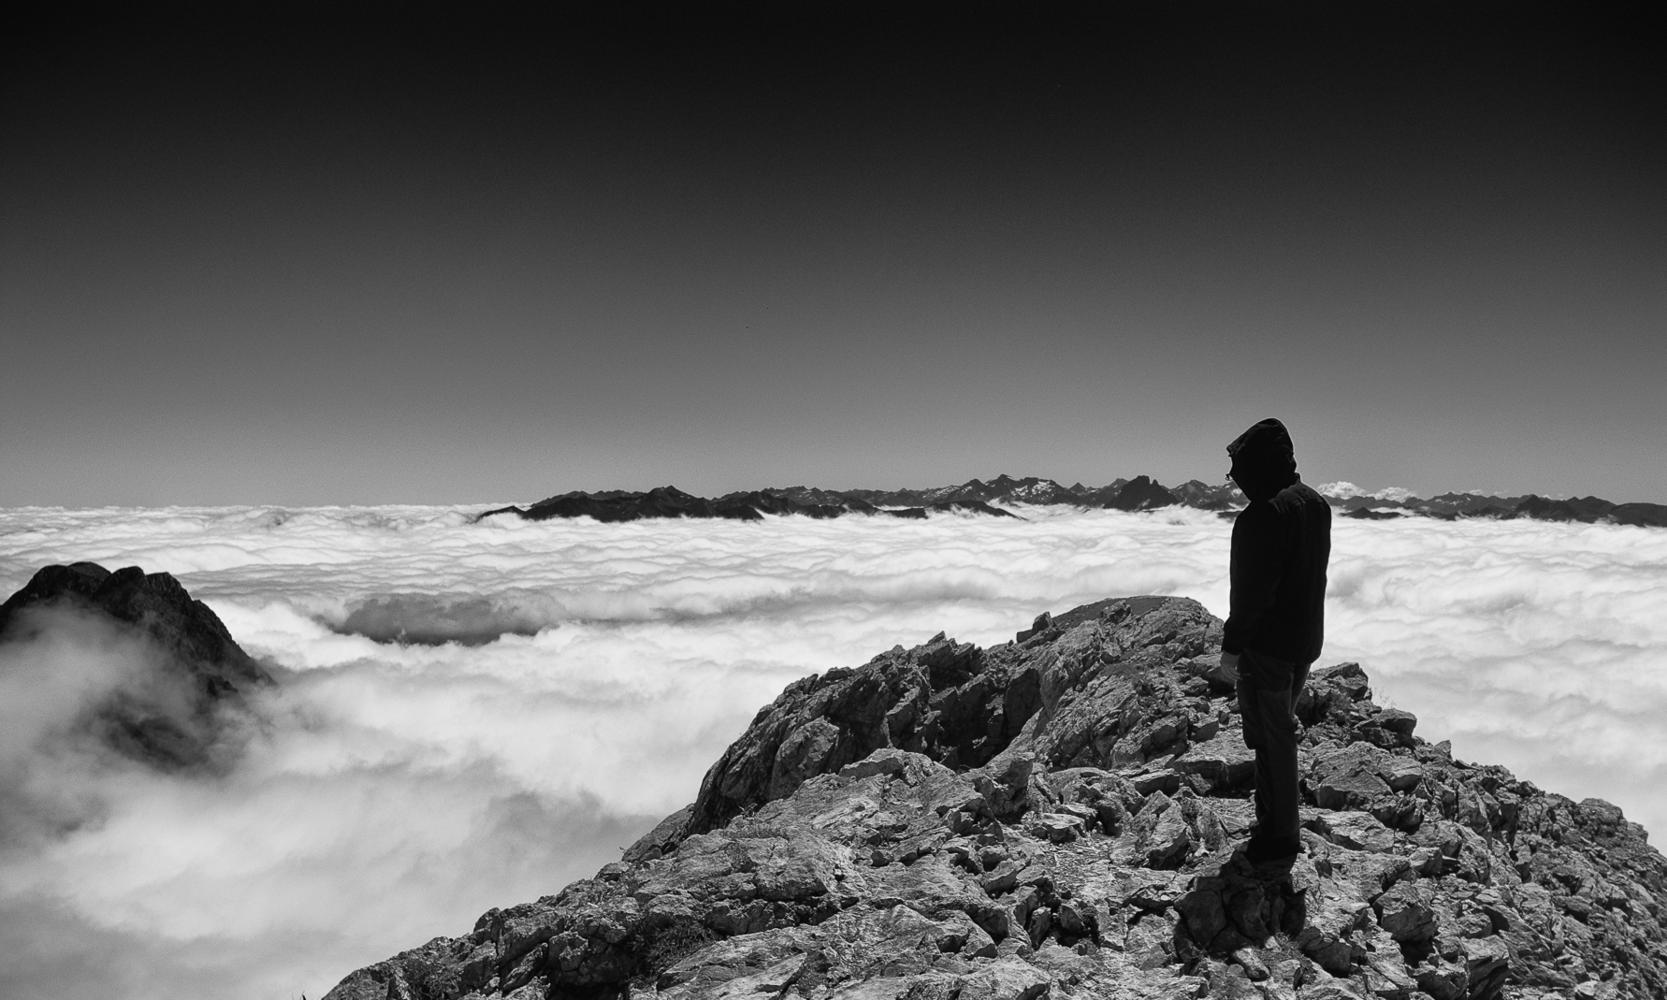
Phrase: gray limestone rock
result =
(1065, 816)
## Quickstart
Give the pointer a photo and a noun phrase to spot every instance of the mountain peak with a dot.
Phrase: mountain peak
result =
(1064, 815)
(171, 713)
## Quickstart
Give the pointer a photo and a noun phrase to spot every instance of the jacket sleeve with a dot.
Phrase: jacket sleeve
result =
(1256, 566)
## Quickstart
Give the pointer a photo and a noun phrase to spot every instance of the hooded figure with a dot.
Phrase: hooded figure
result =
(1276, 622)
(1281, 545)
(1263, 460)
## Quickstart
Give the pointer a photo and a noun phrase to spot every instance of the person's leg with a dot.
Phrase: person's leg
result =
(1279, 751)
(1249, 707)
(1267, 699)
(1250, 712)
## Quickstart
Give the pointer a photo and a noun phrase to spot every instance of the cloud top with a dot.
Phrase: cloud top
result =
(473, 715)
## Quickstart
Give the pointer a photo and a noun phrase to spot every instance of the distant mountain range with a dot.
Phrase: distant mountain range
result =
(992, 497)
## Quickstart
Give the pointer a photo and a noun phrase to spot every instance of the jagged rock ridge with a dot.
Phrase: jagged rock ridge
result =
(980, 497)
(1062, 816)
(669, 501)
(1451, 506)
(172, 720)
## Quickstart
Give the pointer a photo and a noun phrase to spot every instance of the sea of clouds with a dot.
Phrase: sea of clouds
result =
(473, 715)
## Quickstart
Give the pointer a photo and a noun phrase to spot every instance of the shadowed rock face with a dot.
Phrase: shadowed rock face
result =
(1064, 816)
(172, 719)
(1140, 493)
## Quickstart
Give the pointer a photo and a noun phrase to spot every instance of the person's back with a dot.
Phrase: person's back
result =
(1276, 623)
(1281, 546)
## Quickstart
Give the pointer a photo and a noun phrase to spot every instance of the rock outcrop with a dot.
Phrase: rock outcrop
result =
(1141, 493)
(1064, 816)
(172, 716)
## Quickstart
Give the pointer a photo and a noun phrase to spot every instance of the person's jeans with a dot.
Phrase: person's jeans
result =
(1268, 690)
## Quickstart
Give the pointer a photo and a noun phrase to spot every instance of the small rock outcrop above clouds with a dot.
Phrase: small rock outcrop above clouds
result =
(1064, 816)
(175, 672)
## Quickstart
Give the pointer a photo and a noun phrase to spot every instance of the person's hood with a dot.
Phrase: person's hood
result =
(1264, 462)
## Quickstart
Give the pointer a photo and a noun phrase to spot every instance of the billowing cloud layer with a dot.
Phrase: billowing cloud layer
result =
(474, 715)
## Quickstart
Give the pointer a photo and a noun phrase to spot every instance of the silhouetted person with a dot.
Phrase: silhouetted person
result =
(1276, 623)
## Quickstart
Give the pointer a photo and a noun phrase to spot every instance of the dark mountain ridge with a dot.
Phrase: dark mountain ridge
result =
(991, 498)
(1064, 815)
(752, 505)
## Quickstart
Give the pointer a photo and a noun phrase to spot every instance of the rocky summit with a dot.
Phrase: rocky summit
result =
(1065, 815)
(171, 713)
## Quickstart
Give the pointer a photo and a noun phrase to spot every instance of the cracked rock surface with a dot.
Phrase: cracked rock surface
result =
(1064, 816)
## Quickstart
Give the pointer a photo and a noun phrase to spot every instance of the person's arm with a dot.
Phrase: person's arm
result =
(1257, 563)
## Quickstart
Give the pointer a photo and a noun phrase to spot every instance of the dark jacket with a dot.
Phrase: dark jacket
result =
(1281, 546)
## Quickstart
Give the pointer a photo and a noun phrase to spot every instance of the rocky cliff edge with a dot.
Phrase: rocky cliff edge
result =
(1064, 816)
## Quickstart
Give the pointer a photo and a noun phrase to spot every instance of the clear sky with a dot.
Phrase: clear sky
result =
(424, 259)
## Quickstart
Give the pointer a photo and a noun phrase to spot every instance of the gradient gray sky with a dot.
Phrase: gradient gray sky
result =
(429, 260)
